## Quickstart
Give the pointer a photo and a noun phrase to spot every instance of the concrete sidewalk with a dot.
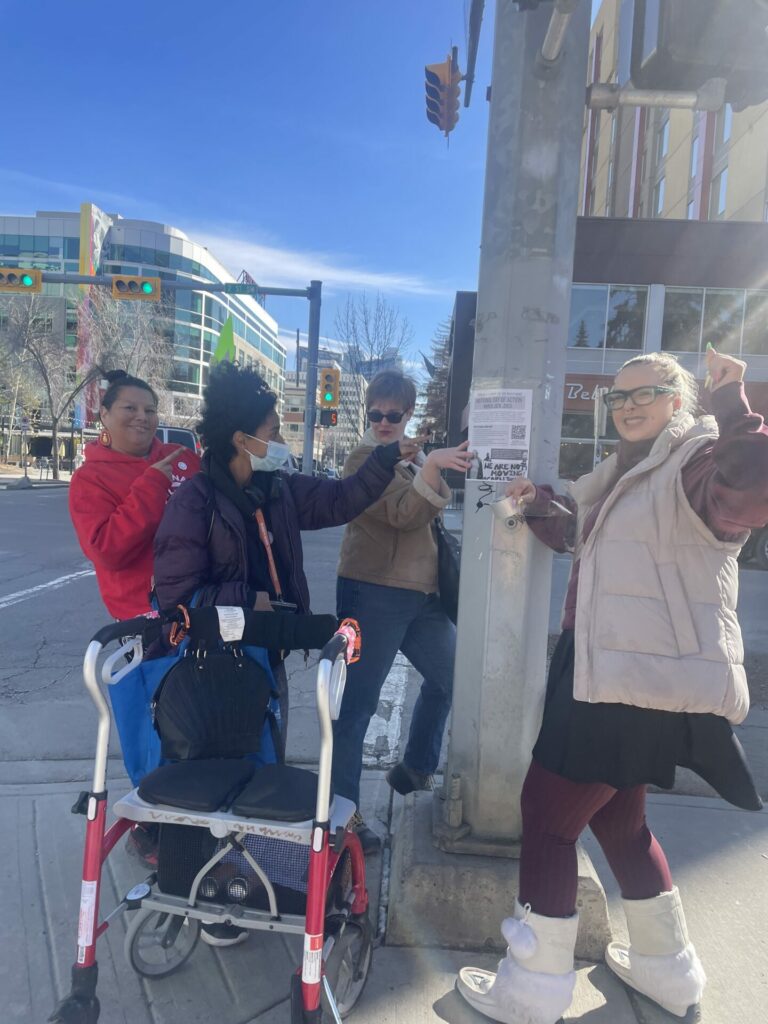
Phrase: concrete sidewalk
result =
(719, 857)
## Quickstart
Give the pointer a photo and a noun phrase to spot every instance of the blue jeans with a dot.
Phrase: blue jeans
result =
(393, 619)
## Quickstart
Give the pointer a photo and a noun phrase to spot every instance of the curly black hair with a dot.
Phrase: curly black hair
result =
(235, 398)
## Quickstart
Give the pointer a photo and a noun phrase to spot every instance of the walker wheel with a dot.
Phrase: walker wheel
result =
(348, 965)
(158, 943)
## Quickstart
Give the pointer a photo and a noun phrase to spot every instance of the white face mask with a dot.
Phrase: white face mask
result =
(276, 457)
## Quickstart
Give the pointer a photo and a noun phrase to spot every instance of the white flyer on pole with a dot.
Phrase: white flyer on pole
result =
(500, 432)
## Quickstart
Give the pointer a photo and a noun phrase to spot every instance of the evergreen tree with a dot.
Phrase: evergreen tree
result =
(438, 368)
(582, 336)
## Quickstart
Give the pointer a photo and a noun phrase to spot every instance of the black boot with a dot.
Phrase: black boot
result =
(405, 780)
(369, 841)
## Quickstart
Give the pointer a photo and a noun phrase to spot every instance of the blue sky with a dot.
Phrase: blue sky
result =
(290, 137)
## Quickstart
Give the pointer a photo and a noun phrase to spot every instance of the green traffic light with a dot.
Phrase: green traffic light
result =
(27, 280)
(147, 287)
(328, 396)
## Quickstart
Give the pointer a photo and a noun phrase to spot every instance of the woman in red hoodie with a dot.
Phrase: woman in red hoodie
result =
(116, 500)
(118, 495)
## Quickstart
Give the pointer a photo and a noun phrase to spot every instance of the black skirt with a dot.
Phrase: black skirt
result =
(624, 746)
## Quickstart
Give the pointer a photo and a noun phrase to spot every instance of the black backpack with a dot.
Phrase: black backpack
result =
(213, 702)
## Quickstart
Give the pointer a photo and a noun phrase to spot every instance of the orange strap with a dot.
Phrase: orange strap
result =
(179, 630)
(258, 515)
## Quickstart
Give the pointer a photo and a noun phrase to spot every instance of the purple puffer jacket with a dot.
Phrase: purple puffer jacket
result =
(201, 542)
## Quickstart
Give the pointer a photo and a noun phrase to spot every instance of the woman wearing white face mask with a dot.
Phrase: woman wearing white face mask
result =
(233, 536)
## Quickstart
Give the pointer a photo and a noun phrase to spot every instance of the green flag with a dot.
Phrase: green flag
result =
(225, 348)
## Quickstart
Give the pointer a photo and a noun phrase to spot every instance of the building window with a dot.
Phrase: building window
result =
(662, 139)
(718, 194)
(723, 316)
(626, 317)
(588, 315)
(691, 210)
(694, 166)
(42, 324)
(681, 325)
(658, 197)
(755, 338)
(723, 125)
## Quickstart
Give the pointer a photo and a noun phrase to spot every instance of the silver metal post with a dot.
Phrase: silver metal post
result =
(604, 96)
(526, 267)
(310, 401)
(557, 29)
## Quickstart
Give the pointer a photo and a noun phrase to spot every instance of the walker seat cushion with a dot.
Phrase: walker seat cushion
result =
(279, 792)
(207, 785)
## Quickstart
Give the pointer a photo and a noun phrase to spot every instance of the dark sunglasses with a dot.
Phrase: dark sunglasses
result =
(391, 417)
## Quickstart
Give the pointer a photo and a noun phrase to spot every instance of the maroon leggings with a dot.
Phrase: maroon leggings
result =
(555, 813)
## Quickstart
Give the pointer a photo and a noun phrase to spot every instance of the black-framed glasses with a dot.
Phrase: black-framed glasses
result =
(375, 416)
(645, 395)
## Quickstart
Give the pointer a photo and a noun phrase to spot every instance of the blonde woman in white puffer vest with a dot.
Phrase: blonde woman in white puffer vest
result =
(647, 675)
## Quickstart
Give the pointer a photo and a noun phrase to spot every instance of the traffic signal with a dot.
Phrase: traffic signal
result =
(329, 388)
(443, 87)
(145, 289)
(14, 279)
(329, 417)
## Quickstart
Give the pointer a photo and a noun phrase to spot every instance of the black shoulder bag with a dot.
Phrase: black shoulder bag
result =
(448, 563)
(213, 702)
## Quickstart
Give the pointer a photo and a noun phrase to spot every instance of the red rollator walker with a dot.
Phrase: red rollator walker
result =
(263, 847)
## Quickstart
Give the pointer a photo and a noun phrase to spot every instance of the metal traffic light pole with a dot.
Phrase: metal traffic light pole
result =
(313, 294)
(310, 400)
(526, 269)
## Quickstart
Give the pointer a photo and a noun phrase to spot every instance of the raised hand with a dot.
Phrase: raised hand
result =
(411, 446)
(722, 369)
(458, 458)
(520, 490)
(166, 465)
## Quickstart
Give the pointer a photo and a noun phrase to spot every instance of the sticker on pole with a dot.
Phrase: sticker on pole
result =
(311, 968)
(87, 913)
(500, 432)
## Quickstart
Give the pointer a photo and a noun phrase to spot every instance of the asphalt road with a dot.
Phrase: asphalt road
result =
(50, 606)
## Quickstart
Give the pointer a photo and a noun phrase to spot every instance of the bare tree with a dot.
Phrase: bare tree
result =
(29, 334)
(374, 336)
(133, 336)
(18, 388)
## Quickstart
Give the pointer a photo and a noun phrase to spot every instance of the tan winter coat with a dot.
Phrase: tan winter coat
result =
(656, 623)
(392, 543)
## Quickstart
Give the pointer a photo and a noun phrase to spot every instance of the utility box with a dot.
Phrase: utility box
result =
(681, 44)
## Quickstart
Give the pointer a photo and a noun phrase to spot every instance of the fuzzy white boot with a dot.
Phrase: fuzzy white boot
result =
(535, 981)
(660, 960)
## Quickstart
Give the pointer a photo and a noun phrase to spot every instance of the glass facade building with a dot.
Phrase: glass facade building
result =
(91, 241)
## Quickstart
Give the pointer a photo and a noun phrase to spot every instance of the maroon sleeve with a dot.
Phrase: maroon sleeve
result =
(727, 482)
(553, 528)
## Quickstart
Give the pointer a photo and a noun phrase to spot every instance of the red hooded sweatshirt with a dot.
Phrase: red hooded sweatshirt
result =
(116, 502)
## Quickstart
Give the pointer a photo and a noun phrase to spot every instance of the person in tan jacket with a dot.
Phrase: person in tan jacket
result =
(647, 675)
(387, 580)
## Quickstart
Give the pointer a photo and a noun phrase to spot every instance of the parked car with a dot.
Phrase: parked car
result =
(180, 435)
(756, 548)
